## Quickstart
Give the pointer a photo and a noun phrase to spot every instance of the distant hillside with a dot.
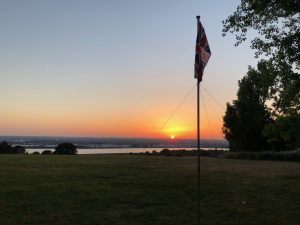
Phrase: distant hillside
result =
(92, 142)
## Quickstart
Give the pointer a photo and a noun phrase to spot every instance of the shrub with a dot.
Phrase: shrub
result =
(18, 150)
(267, 155)
(35, 153)
(47, 152)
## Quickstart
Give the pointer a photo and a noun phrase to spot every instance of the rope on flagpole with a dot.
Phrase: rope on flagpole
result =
(214, 98)
(175, 110)
(212, 136)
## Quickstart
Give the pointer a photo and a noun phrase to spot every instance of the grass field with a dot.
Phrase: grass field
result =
(136, 190)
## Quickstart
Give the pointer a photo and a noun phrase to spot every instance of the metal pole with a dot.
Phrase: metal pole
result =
(198, 139)
(198, 148)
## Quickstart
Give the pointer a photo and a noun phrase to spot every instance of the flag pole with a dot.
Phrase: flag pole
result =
(198, 146)
(198, 141)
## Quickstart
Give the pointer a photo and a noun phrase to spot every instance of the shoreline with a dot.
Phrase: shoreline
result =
(91, 151)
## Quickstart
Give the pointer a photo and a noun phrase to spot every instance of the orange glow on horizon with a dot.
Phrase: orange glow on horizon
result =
(108, 127)
(109, 122)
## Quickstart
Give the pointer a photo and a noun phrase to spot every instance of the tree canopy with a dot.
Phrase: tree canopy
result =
(278, 84)
(283, 133)
(65, 149)
(265, 115)
(6, 148)
(247, 116)
(277, 23)
(267, 109)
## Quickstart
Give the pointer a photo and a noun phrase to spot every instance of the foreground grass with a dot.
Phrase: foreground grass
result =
(38, 189)
(136, 190)
(250, 192)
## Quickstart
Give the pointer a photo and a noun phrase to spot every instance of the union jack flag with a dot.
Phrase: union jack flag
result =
(202, 52)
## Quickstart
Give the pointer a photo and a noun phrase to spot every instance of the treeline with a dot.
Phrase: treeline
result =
(182, 152)
(263, 155)
(61, 149)
(266, 155)
(6, 148)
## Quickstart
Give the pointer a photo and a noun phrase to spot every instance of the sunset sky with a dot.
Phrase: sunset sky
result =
(114, 68)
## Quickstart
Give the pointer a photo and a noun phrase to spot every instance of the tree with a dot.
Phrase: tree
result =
(18, 150)
(65, 149)
(284, 133)
(46, 152)
(36, 153)
(277, 23)
(285, 89)
(279, 85)
(5, 148)
(266, 110)
(246, 117)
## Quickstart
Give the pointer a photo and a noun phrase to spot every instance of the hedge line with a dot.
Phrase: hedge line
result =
(267, 155)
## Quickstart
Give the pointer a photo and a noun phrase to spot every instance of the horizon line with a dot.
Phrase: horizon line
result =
(108, 137)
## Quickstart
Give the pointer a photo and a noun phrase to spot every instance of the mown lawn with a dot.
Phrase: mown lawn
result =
(250, 192)
(136, 190)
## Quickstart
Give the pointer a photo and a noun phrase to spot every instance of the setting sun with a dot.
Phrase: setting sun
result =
(172, 137)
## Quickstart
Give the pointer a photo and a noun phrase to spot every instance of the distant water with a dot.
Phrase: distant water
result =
(85, 151)
(86, 142)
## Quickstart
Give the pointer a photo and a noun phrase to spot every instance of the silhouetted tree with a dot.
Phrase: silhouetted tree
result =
(165, 152)
(18, 150)
(284, 133)
(46, 152)
(247, 116)
(5, 148)
(36, 153)
(277, 23)
(65, 149)
(265, 114)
